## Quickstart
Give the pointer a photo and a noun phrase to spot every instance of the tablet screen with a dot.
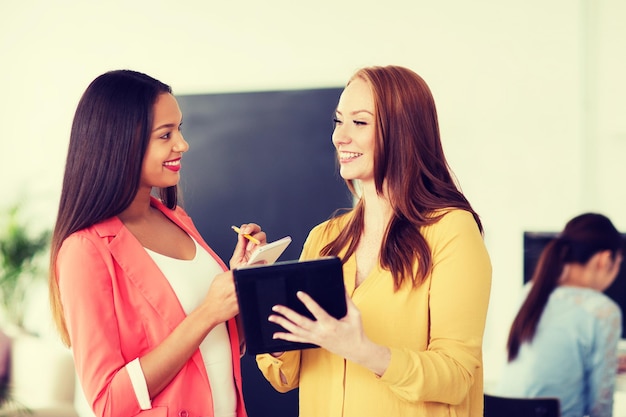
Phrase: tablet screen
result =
(260, 288)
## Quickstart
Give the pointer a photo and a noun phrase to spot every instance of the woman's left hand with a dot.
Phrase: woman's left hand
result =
(340, 337)
(244, 247)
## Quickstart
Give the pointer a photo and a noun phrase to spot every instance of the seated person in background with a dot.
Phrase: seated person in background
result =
(563, 341)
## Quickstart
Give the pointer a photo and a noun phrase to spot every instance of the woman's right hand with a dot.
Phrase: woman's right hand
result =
(220, 302)
(245, 247)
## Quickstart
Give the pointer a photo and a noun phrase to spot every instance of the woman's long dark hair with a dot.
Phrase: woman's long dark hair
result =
(410, 162)
(583, 237)
(108, 140)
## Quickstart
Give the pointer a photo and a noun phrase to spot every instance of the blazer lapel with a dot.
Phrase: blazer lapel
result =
(142, 271)
(148, 279)
(235, 327)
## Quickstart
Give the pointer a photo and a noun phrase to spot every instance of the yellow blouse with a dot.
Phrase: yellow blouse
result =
(434, 332)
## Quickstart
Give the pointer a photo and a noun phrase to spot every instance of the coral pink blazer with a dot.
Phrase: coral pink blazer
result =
(118, 306)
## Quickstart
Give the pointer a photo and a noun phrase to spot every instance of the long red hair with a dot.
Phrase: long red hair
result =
(410, 162)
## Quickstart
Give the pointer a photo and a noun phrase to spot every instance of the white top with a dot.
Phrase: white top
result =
(191, 280)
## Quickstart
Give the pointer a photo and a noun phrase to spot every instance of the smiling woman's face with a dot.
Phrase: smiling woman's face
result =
(355, 131)
(162, 161)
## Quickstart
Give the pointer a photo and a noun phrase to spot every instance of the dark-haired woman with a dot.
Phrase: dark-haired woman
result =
(415, 267)
(146, 306)
(563, 341)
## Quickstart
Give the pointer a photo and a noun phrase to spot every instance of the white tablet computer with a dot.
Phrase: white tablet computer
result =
(270, 252)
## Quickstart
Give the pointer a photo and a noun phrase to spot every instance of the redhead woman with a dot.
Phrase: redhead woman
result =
(415, 266)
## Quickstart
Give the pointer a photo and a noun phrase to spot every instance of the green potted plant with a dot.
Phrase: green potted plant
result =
(18, 249)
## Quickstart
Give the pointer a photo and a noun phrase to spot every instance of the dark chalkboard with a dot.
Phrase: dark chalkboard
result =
(263, 157)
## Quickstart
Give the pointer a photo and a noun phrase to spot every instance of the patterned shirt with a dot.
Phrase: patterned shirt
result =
(573, 355)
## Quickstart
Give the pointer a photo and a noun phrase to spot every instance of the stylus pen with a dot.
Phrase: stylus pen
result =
(247, 236)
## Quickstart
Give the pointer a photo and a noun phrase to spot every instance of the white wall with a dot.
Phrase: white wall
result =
(531, 94)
